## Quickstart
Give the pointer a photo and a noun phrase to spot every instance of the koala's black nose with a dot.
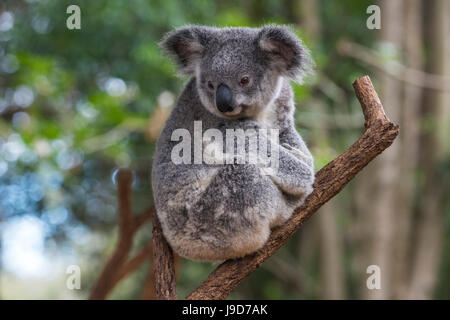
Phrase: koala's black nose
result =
(224, 98)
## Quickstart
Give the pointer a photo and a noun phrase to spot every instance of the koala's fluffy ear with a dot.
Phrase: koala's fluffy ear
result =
(285, 52)
(185, 45)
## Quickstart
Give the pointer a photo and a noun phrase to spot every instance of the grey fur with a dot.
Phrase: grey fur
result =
(217, 212)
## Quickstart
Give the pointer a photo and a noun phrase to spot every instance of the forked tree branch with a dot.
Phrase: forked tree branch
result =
(134, 262)
(117, 266)
(378, 135)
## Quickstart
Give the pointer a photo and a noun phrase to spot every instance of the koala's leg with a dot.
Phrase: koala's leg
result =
(177, 189)
(234, 213)
(214, 213)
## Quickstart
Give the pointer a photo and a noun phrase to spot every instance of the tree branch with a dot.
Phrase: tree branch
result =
(163, 264)
(134, 263)
(112, 271)
(148, 290)
(378, 135)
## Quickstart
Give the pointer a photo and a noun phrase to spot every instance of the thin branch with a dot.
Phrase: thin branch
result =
(164, 266)
(394, 68)
(128, 225)
(124, 181)
(379, 135)
(103, 284)
(133, 263)
(143, 218)
(148, 290)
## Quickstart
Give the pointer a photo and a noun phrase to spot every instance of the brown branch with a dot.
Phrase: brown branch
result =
(128, 225)
(139, 258)
(163, 264)
(148, 290)
(379, 135)
(133, 263)
(143, 218)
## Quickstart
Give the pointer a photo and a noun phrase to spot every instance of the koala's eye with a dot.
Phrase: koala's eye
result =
(210, 85)
(244, 81)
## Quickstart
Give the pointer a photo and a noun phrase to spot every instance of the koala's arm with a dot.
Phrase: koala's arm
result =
(291, 140)
(295, 175)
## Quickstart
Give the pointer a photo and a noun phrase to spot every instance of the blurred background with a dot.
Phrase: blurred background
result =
(76, 105)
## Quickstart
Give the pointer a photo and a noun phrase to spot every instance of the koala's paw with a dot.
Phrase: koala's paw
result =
(297, 153)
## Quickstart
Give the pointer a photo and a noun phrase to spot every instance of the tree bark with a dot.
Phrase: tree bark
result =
(163, 264)
(379, 135)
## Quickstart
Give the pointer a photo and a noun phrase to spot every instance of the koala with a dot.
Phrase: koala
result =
(239, 79)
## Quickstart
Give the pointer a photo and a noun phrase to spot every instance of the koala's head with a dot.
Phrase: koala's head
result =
(238, 70)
